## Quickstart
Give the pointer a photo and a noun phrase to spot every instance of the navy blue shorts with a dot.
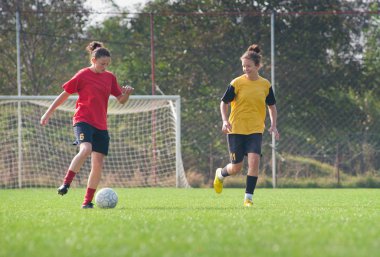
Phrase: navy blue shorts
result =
(240, 145)
(99, 139)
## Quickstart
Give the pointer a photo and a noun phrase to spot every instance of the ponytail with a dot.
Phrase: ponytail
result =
(253, 54)
(96, 49)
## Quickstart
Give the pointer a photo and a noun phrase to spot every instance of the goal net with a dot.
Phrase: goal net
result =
(144, 147)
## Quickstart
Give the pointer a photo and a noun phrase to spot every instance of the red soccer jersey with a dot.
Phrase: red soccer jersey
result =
(94, 90)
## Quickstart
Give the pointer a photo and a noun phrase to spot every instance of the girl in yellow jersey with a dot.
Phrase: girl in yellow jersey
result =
(248, 96)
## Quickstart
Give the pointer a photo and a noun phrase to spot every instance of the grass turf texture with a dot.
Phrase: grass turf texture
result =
(192, 222)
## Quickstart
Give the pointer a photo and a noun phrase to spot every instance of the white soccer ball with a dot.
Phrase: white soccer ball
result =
(106, 198)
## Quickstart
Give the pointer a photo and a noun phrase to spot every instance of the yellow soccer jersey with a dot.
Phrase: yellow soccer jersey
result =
(248, 99)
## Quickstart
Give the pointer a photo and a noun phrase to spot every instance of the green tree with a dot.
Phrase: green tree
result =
(368, 97)
(198, 45)
(327, 94)
(50, 40)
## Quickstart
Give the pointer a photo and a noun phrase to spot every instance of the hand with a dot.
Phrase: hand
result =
(127, 90)
(226, 128)
(44, 119)
(273, 130)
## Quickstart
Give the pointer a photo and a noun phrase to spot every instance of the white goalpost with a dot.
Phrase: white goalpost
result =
(145, 146)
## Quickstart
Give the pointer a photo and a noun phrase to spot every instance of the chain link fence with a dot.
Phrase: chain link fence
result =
(326, 86)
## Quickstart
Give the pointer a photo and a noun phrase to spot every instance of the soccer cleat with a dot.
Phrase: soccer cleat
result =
(248, 202)
(218, 183)
(88, 206)
(62, 190)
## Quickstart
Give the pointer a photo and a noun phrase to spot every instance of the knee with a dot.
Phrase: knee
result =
(97, 160)
(85, 151)
(253, 172)
(236, 168)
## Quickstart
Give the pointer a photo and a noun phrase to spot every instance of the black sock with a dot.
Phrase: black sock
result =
(251, 184)
(224, 172)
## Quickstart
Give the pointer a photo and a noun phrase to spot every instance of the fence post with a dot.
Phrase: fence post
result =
(273, 87)
(19, 120)
(337, 163)
(152, 57)
(152, 60)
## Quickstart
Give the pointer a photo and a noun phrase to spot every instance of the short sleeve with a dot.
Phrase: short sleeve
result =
(115, 89)
(270, 100)
(72, 85)
(229, 95)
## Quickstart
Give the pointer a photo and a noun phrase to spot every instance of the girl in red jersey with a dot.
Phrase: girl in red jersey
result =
(94, 85)
(248, 95)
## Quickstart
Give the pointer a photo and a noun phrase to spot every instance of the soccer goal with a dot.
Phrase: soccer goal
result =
(145, 147)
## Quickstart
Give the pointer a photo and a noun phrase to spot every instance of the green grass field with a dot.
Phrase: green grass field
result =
(192, 222)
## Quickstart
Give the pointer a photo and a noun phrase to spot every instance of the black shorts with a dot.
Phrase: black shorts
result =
(240, 145)
(99, 139)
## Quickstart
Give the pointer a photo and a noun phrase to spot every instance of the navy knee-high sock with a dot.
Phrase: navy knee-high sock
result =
(251, 184)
